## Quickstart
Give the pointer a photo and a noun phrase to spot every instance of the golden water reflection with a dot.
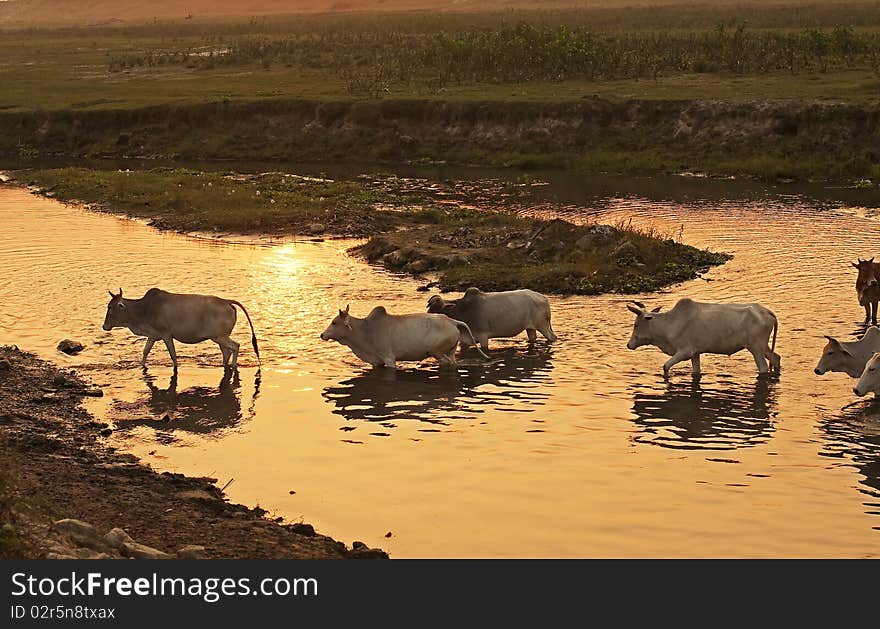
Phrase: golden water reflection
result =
(724, 416)
(579, 449)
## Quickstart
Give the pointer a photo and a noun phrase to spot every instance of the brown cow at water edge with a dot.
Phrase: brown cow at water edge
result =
(868, 287)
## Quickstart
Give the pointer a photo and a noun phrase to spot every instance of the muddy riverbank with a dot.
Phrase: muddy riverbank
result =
(58, 466)
(767, 139)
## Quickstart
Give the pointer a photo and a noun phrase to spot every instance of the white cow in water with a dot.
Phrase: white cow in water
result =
(382, 339)
(849, 357)
(692, 328)
(869, 382)
(498, 315)
(175, 317)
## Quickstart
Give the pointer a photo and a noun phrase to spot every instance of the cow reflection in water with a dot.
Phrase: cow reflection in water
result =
(198, 409)
(690, 416)
(513, 379)
(853, 437)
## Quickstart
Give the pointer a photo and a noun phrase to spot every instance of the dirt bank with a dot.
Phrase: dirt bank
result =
(57, 467)
(768, 139)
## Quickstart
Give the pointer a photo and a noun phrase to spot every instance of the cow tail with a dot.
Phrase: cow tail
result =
(464, 327)
(251, 323)
(773, 344)
(775, 330)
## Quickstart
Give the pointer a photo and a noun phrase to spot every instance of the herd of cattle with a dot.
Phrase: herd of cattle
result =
(381, 339)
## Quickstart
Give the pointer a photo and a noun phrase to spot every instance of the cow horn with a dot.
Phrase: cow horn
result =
(112, 296)
(639, 304)
(657, 309)
(346, 308)
(634, 310)
(871, 260)
(120, 291)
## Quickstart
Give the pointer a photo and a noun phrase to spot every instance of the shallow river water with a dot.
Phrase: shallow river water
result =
(576, 450)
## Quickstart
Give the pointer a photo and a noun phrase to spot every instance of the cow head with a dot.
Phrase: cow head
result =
(867, 272)
(642, 332)
(117, 315)
(835, 357)
(870, 379)
(339, 328)
(436, 304)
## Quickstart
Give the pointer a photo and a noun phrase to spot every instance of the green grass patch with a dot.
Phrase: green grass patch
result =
(189, 200)
(411, 232)
(746, 51)
(313, 88)
(502, 252)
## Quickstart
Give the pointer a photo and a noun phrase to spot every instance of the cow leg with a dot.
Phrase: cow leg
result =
(389, 362)
(533, 336)
(233, 346)
(760, 361)
(230, 351)
(867, 313)
(695, 364)
(874, 313)
(484, 342)
(225, 351)
(677, 358)
(446, 360)
(547, 332)
(774, 359)
(169, 343)
(147, 348)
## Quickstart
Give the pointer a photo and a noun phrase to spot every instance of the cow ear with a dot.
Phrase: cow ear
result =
(831, 339)
(872, 259)
(657, 309)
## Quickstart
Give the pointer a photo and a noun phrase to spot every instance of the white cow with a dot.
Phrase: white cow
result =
(849, 357)
(869, 382)
(498, 315)
(692, 328)
(382, 339)
(179, 317)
